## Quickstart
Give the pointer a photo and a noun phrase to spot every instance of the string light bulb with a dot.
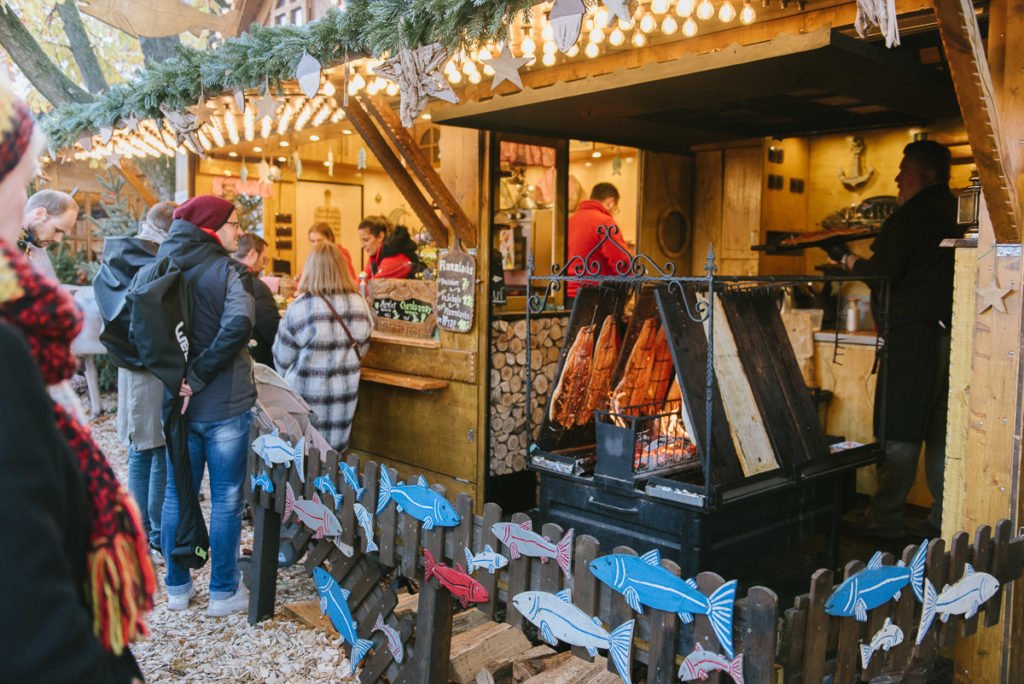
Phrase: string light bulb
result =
(601, 17)
(659, 6)
(747, 14)
(617, 37)
(705, 10)
(548, 59)
(392, 89)
(639, 39)
(573, 51)
(474, 77)
(727, 12)
(648, 24)
(669, 25)
(528, 47)
(685, 8)
(597, 36)
(689, 27)
(591, 50)
(549, 47)
(547, 33)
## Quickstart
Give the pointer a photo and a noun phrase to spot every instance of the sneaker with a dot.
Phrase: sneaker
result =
(238, 603)
(156, 554)
(180, 601)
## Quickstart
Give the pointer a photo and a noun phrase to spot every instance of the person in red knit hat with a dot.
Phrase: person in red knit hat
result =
(77, 579)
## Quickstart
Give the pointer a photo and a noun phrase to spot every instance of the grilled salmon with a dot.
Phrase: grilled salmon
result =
(606, 354)
(571, 391)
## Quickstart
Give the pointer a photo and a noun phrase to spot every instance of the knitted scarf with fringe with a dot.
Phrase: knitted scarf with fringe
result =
(120, 576)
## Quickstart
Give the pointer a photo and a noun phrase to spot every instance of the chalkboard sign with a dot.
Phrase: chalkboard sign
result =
(456, 291)
(403, 307)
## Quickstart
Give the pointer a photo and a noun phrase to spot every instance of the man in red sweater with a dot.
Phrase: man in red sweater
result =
(613, 256)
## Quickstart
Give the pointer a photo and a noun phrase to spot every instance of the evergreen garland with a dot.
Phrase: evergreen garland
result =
(271, 54)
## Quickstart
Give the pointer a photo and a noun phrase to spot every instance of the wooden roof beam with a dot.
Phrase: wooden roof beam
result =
(965, 52)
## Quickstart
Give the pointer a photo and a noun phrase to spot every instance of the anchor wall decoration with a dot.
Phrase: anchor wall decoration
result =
(861, 173)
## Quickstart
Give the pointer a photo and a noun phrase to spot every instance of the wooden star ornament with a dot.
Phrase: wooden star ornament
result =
(506, 68)
(417, 73)
(266, 106)
(131, 123)
(202, 113)
(991, 296)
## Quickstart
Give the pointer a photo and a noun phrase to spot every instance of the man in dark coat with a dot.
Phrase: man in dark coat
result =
(920, 274)
(252, 253)
(219, 391)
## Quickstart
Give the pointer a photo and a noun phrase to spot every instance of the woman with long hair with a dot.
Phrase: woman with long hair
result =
(321, 232)
(321, 342)
(391, 252)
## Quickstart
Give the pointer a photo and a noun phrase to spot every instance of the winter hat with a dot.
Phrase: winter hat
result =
(16, 126)
(205, 211)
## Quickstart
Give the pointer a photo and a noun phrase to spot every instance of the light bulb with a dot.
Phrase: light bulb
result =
(639, 39)
(474, 77)
(685, 8)
(573, 51)
(597, 36)
(659, 6)
(669, 25)
(455, 77)
(548, 59)
(601, 17)
(528, 46)
(468, 68)
(547, 33)
(359, 82)
(617, 37)
(483, 54)
(627, 25)
(392, 89)
(488, 70)
(647, 24)
(727, 12)
(591, 50)
(549, 48)
(705, 10)
(747, 14)
(329, 89)
(689, 27)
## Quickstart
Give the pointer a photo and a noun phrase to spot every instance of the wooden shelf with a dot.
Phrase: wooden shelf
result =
(423, 343)
(416, 383)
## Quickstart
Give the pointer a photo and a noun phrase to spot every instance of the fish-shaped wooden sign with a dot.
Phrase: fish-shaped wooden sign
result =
(963, 598)
(644, 582)
(888, 636)
(365, 521)
(313, 514)
(521, 540)
(261, 481)
(461, 585)
(334, 604)
(351, 479)
(701, 663)
(392, 636)
(559, 620)
(325, 485)
(487, 559)
(273, 449)
(876, 584)
(159, 18)
(418, 500)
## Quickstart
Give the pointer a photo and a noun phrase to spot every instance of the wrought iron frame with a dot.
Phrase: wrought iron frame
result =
(640, 269)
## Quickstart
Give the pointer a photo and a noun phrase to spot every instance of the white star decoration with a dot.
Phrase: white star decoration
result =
(131, 123)
(506, 68)
(991, 296)
(201, 112)
(266, 106)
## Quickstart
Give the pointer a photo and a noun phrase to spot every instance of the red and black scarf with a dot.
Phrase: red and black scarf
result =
(121, 580)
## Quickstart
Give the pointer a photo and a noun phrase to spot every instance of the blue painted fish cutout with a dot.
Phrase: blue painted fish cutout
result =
(366, 522)
(419, 501)
(877, 584)
(263, 481)
(325, 485)
(272, 449)
(334, 604)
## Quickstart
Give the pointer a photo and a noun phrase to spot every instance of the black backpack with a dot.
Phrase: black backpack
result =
(123, 257)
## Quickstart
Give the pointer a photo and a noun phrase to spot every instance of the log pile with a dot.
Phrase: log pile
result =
(508, 386)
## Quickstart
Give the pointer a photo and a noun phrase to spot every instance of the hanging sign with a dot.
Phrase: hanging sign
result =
(403, 307)
(456, 291)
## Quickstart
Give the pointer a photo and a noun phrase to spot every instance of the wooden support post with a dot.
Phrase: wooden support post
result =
(393, 168)
(433, 623)
(132, 175)
(399, 136)
(263, 579)
(965, 53)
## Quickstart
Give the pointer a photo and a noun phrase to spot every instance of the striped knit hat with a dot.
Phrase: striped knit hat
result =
(16, 126)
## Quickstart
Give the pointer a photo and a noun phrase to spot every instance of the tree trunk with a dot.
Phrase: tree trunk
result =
(25, 52)
(81, 47)
(157, 50)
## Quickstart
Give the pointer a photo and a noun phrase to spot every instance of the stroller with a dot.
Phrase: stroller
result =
(279, 406)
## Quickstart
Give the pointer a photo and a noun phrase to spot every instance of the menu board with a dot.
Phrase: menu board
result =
(403, 307)
(456, 291)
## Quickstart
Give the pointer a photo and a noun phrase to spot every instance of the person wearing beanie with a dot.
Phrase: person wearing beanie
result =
(219, 391)
(78, 581)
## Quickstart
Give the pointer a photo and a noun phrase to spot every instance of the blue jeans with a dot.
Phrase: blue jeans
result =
(147, 478)
(221, 446)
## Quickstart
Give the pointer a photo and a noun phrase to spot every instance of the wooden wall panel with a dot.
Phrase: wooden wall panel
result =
(741, 202)
(666, 183)
(707, 206)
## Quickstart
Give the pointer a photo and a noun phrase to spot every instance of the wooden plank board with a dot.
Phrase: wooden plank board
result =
(410, 549)
(461, 537)
(577, 670)
(746, 426)
(876, 619)
(981, 559)
(471, 651)
(387, 523)
(1000, 558)
(430, 663)
(816, 637)
(518, 579)
(703, 634)
(955, 570)
(443, 364)
(412, 382)
(265, 546)
(661, 661)
(584, 583)
(348, 514)
(935, 572)
(369, 500)
(618, 610)
(492, 515)
(903, 617)
(381, 659)
(850, 634)
(549, 573)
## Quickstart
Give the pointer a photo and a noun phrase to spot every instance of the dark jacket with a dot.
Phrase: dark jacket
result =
(223, 312)
(267, 319)
(46, 628)
(920, 274)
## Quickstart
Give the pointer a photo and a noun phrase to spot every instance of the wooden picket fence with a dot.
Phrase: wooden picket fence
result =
(800, 644)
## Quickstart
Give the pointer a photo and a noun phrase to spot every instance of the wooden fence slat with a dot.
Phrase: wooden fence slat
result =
(958, 550)
(263, 576)
(1000, 549)
(935, 572)
(619, 611)
(876, 620)
(518, 579)
(348, 513)
(759, 638)
(791, 638)
(903, 617)
(410, 529)
(462, 536)
(318, 554)
(981, 559)
(312, 471)
(850, 634)
(378, 663)
(816, 636)
(252, 462)
(433, 620)
(387, 523)
(384, 604)
(661, 659)
(298, 486)
(279, 476)
(549, 574)
(707, 582)
(369, 502)
(492, 515)
(584, 584)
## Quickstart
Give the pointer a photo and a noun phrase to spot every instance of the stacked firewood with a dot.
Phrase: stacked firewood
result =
(508, 386)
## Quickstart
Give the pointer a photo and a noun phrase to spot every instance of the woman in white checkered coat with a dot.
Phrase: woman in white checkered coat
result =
(321, 342)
